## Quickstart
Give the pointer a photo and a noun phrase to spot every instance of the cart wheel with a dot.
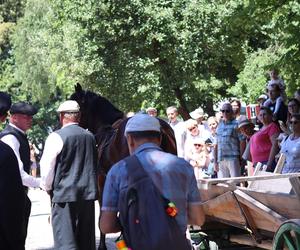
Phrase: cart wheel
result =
(287, 236)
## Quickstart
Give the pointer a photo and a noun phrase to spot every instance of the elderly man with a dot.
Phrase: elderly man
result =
(230, 145)
(14, 135)
(12, 195)
(173, 176)
(151, 111)
(68, 168)
(179, 129)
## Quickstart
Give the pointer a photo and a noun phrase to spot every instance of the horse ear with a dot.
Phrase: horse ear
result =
(78, 88)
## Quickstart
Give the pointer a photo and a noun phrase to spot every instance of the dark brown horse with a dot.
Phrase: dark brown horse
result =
(107, 123)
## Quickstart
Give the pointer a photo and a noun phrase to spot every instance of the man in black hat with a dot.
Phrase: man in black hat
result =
(14, 135)
(12, 195)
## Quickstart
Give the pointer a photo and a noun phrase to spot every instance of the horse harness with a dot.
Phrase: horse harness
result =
(104, 137)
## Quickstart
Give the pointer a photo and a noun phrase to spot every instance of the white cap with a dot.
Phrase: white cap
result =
(197, 113)
(142, 122)
(69, 106)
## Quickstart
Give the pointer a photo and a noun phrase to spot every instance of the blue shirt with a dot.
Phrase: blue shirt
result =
(228, 140)
(173, 176)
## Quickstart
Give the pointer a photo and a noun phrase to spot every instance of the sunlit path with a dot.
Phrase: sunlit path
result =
(40, 231)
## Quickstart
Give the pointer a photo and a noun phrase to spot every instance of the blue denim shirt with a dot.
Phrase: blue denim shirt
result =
(173, 176)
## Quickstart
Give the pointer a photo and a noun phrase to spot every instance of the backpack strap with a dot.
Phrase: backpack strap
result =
(134, 166)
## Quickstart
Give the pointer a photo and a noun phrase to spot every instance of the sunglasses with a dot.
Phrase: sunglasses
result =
(198, 145)
(191, 129)
(225, 111)
(294, 122)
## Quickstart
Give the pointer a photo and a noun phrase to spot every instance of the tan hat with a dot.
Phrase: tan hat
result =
(198, 141)
(69, 106)
(197, 113)
(262, 97)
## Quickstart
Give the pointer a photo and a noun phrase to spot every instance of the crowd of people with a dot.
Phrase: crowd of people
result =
(228, 144)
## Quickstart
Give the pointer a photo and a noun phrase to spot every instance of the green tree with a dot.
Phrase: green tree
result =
(139, 53)
(11, 10)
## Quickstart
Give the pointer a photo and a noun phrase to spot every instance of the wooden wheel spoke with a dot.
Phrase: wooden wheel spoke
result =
(288, 240)
(297, 239)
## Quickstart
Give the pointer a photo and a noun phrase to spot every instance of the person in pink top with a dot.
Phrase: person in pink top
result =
(263, 144)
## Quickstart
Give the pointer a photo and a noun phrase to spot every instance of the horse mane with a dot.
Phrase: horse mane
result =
(95, 109)
(99, 104)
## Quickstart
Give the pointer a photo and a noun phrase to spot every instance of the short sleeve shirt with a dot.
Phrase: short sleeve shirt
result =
(228, 140)
(173, 176)
(260, 143)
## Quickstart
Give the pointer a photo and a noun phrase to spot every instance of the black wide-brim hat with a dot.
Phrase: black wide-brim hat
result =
(23, 108)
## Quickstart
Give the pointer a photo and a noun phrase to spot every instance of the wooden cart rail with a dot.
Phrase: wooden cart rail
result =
(247, 178)
(284, 183)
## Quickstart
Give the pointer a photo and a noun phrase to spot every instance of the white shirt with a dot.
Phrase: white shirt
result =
(12, 141)
(180, 136)
(53, 147)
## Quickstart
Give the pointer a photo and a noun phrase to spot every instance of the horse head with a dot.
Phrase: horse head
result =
(96, 111)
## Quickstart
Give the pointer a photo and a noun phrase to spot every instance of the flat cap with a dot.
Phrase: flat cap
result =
(23, 108)
(5, 102)
(142, 122)
(69, 106)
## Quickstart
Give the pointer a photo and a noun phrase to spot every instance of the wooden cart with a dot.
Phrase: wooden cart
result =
(264, 215)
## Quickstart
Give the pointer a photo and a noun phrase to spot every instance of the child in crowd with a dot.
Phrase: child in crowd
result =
(276, 80)
(199, 158)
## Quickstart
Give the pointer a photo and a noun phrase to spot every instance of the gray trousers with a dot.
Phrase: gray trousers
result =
(229, 168)
(74, 225)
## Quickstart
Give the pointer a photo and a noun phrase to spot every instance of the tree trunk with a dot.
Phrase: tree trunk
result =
(182, 110)
(209, 107)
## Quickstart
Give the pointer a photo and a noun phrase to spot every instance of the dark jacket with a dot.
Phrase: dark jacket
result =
(12, 200)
